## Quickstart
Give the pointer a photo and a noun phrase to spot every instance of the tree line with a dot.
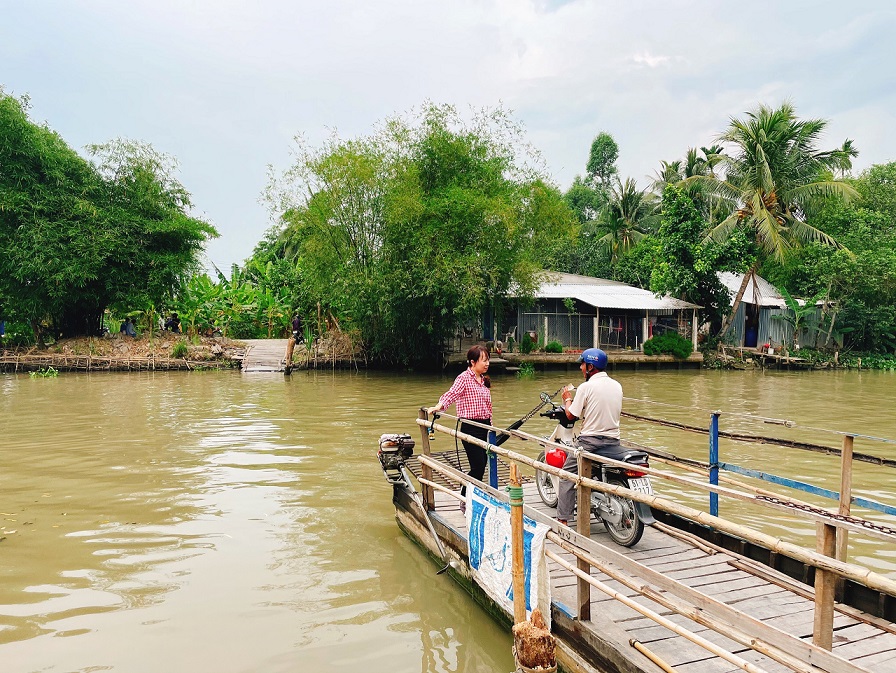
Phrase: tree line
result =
(80, 236)
(765, 199)
(436, 217)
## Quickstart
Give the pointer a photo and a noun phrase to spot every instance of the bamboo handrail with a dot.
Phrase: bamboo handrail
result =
(725, 628)
(760, 439)
(443, 489)
(653, 656)
(817, 515)
(706, 608)
(851, 571)
(659, 619)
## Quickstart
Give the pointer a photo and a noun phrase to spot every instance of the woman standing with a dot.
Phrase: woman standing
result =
(474, 403)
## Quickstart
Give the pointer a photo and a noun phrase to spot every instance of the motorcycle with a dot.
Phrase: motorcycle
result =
(623, 518)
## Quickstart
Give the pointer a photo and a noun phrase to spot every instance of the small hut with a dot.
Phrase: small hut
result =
(753, 324)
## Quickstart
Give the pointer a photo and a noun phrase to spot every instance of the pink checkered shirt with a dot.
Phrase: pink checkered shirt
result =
(473, 399)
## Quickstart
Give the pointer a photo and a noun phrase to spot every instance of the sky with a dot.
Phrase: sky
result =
(225, 86)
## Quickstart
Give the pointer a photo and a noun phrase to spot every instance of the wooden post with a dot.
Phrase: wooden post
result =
(583, 527)
(645, 327)
(845, 495)
(596, 336)
(694, 330)
(290, 347)
(429, 499)
(825, 583)
(516, 542)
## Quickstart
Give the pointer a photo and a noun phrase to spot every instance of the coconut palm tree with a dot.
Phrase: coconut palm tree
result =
(628, 214)
(775, 177)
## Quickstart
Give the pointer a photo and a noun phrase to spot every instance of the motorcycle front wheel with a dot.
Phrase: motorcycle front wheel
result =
(547, 485)
(624, 526)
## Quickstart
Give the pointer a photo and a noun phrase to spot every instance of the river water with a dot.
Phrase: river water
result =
(213, 521)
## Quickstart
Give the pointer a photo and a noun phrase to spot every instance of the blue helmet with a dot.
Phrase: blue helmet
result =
(594, 356)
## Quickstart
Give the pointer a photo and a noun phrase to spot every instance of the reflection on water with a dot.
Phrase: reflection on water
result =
(214, 521)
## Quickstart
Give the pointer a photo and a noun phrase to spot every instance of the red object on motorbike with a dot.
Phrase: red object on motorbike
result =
(555, 458)
(637, 473)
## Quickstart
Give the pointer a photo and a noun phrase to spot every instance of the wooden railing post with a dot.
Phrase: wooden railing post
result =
(583, 527)
(845, 495)
(429, 499)
(825, 584)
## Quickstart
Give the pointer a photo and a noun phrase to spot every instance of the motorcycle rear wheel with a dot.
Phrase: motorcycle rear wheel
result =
(547, 485)
(630, 529)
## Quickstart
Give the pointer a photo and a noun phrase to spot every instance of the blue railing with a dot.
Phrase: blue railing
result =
(715, 464)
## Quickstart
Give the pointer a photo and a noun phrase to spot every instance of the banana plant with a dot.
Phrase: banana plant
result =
(799, 316)
(196, 302)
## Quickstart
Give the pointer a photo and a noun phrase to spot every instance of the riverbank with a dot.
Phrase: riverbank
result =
(618, 359)
(805, 358)
(116, 352)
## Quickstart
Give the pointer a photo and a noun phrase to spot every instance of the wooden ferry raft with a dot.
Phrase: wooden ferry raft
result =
(673, 602)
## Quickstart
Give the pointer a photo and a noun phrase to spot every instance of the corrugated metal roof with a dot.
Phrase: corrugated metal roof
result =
(604, 293)
(760, 292)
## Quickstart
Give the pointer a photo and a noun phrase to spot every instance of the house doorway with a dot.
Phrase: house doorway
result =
(751, 325)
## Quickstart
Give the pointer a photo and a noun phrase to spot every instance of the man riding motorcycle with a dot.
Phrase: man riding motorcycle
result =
(598, 403)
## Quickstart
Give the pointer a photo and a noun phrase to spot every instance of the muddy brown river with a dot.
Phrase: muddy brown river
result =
(213, 521)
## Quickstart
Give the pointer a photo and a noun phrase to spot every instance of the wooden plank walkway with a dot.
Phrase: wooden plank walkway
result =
(722, 575)
(265, 355)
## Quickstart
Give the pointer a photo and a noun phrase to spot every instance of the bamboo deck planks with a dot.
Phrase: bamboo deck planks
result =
(713, 574)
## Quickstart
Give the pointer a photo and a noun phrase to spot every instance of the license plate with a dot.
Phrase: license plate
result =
(641, 485)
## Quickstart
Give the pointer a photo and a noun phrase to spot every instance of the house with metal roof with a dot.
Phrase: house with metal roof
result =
(754, 323)
(584, 312)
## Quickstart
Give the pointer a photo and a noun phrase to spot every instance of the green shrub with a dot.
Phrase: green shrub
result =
(554, 347)
(179, 350)
(526, 344)
(48, 373)
(868, 361)
(669, 342)
(527, 371)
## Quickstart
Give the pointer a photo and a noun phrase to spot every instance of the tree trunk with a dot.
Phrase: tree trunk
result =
(737, 300)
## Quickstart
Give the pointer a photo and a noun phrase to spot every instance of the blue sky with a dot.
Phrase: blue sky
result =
(224, 86)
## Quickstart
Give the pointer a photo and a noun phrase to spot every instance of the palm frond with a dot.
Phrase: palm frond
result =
(806, 233)
(721, 189)
(824, 189)
(722, 231)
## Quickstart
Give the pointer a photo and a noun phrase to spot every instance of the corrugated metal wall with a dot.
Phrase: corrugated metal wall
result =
(573, 330)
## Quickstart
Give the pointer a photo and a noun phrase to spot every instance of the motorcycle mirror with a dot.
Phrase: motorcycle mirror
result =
(545, 398)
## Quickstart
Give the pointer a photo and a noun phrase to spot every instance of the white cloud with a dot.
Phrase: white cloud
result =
(648, 59)
(225, 85)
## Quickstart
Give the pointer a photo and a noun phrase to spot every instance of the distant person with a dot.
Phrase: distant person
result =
(127, 328)
(471, 392)
(297, 333)
(173, 323)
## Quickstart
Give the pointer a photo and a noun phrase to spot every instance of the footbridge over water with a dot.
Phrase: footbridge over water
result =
(265, 355)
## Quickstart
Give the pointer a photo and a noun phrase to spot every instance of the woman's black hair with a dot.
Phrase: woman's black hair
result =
(474, 355)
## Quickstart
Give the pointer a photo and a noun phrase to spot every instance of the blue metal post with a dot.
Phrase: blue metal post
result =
(492, 461)
(714, 462)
